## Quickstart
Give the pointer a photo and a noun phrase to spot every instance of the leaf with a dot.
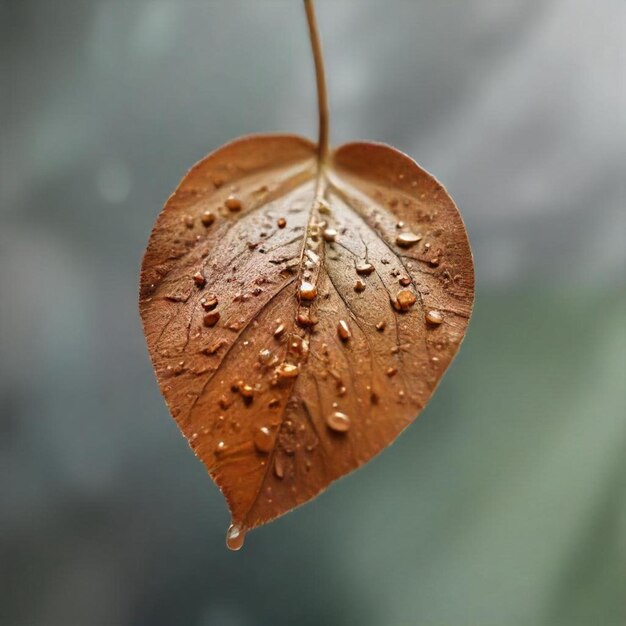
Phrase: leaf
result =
(300, 311)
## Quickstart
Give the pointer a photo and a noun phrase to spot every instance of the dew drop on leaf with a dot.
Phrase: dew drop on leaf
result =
(434, 317)
(338, 421)
(233, 204)
(263, 439)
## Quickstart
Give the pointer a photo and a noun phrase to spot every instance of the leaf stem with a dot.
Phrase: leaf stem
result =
(322, 100)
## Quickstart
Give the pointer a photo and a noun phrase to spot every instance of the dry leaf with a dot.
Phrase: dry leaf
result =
(300, 311)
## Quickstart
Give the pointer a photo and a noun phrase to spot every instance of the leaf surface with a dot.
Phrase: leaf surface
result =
(300, 317)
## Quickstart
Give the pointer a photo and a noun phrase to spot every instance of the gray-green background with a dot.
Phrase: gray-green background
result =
(505, 503)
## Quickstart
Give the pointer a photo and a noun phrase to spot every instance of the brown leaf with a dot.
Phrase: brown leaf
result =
(300, 308)
(293, 341)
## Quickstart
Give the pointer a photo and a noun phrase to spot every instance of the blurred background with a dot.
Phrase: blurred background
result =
(505, 503)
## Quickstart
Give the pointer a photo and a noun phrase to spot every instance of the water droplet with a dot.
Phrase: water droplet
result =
(263, 439)
(392, 371)
(305, 320)
(199, 279)
(220, 448)
(323, 208)
(434, 317)
(280, 329)
(233, 204)
(307, 291)
(209, 303)
(235, 536)
(343, 330)
(211, 318)
(247, 391)
(338, 421)
(207, 218)
(405, 281)
(279, 468)
(287, 370)
(330, 234)
(364, 268)
(359, 286)
(265, 356)
(188, 220)
(406, 240)
(282, 222)
(300, 345)
(405, 299)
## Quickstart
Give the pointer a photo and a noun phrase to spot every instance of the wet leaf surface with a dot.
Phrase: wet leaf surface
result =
(300, 317)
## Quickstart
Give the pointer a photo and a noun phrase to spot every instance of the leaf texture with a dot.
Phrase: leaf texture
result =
(300, 316)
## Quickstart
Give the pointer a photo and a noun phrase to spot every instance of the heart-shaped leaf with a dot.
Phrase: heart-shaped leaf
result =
(300, 308)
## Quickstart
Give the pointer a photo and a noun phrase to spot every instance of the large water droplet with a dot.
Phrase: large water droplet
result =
(338, 421)
(281, 223)
(330, 234)
(235, 536)
(405, 299)
(434, 317)
(233, 203)
(307, 291)
(405, 240)
(359, 286)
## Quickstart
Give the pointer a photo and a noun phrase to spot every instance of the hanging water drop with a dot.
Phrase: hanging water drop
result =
(235, 536)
